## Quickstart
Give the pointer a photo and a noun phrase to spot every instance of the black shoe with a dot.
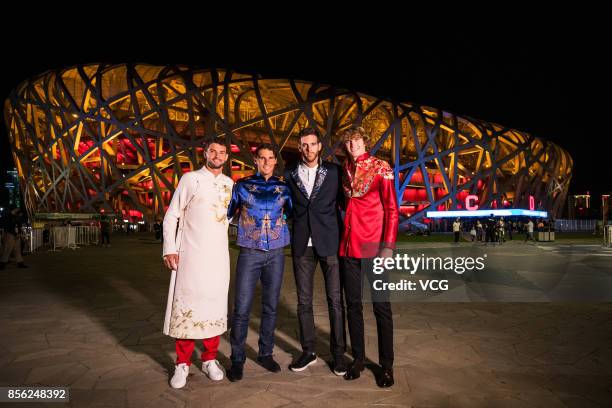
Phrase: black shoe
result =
(268, 363)
(3, 266)
(354, 371)
(305, 360)
(385, 379)
(339, 366)
(235, 372)
(22, 265)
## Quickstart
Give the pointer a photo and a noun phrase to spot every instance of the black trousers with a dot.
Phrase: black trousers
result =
(304, 268)
(352, 280)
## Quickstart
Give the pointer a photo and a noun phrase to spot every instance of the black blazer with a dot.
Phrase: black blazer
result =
(318, 216)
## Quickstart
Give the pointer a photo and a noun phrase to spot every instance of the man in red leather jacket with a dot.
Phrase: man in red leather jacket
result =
(370, 230)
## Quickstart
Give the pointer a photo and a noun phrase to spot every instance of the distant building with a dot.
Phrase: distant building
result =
(579, 206)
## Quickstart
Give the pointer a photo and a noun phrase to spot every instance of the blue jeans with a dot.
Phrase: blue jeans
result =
(254, 265)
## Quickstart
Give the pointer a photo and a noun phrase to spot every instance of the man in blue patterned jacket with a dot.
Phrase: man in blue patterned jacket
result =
(262, 201)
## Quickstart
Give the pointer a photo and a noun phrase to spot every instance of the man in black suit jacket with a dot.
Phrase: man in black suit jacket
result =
(316, 188)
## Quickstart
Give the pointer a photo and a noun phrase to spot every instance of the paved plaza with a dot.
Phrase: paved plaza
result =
(91, 319)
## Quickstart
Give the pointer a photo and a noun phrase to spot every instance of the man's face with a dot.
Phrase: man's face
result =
(355, 147)
(310, 147)
(265, 161)
(216, 156)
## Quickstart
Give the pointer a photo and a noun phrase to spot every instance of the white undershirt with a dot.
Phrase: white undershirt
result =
(308, 176)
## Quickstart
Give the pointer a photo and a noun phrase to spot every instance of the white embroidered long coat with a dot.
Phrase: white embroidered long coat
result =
(197, 297)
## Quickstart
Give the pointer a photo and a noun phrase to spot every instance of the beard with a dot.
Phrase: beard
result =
(212, 165)
(310, 158)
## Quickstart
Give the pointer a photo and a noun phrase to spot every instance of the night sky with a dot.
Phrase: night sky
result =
(545, 83)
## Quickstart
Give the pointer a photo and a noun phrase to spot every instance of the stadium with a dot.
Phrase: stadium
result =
(115, 139)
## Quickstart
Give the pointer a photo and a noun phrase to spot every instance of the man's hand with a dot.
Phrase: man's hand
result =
(171, 261)
(385, 253)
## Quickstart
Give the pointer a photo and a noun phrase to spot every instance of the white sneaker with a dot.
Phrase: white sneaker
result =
(213, 370)
(179, 379)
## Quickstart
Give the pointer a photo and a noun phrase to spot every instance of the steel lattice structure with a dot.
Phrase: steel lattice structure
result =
(118, 137)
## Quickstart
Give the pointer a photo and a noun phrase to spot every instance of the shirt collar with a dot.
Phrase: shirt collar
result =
(303, 166)
(260, 177)
(207, 172)
(362, 157)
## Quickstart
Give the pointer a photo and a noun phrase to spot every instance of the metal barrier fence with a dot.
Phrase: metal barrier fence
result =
(575, 225)
(59, 238)
(608, 235)
(33, 238)
(71, 237)
(86, 235)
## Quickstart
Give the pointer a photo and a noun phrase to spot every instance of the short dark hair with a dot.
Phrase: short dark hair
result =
(266, 146)
(215, 139)
(310, 131)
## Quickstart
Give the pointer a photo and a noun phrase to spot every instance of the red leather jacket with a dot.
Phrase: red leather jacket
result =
(372, 218)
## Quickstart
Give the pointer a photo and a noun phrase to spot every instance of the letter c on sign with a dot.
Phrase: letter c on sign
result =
(468, 205)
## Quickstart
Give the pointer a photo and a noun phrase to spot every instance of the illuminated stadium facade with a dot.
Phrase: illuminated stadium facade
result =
(116, 139)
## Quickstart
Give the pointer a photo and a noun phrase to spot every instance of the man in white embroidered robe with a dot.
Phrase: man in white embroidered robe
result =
(195, 248)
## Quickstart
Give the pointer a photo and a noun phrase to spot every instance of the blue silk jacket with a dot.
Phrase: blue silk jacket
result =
(262, 206)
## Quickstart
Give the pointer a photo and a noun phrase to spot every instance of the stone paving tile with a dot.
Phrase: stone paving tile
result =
(12, 375)
(99, 398)
(64, 374)
(99, 330)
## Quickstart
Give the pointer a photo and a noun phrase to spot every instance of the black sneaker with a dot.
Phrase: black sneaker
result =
(385, 379)
(339, 366)
(3, 265)
(305, 360)
(354, 371)
(268, 363)
(235, 372)
(22, 265)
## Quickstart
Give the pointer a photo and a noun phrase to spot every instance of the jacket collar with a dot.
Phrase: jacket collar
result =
(319, 178)
(259, 177)
(362, 157)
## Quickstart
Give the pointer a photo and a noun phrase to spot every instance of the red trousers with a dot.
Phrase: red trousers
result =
(184, 349)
